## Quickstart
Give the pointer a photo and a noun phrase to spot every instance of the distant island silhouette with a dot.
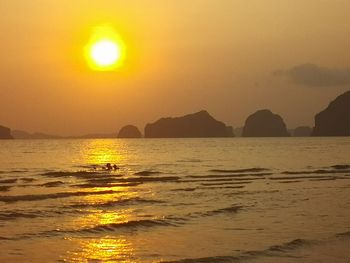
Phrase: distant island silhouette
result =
(332, 121)
(129, 131)
(199, 124)
(5, 133)
(264, 123)
(18, 134)
(23, 135)
(335, 119)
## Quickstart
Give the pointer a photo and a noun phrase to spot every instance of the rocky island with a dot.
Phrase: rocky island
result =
(264, 123)
(129, 131)
(5, 133)
(335, 119)
(200, 124)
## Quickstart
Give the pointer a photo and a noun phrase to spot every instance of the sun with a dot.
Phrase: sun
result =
(105, 50)
(105, 53)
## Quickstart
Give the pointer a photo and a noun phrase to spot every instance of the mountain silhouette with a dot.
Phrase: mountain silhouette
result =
(129, 131)
(199, 124)
(335, 119)
(264, 123)
(5, 133)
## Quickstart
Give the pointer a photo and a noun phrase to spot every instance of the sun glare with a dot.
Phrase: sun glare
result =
(105, 50)
(105, 53)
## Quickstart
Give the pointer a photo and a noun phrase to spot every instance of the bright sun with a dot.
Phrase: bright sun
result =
(105, 53)
(105, 50)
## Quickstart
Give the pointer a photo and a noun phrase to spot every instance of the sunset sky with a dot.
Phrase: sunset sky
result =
(230, 57)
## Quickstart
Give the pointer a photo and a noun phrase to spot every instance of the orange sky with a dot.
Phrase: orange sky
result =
(182, 56)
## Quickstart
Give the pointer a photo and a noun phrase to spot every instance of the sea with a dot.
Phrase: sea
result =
(175, 200)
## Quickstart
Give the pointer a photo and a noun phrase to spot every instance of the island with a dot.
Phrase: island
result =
(129, 131)
(264, 123)
(335, 119)
(5, 133)
(197, 125)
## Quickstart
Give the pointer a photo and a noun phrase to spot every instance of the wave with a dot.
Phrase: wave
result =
(52, 184)
(228, 175)
(78, 174)
(240, 170)
(341, 166)
(226, 183)
(16, 198)
(278, 250)
(130, 225)
(343, 235)
(147, 173)
(282, 250)
(103, 178)
(232, 180)
(228, 210)
(4, 216)
(5, 188)
(301, 177)
(150, 179)
(189, 189)
(222, 187)
(292, 245)
(8, 181)
(320, 171)
(101, 185)
(128, 201)
(189, 160)
(290, 181)
(19, 171)
(27, 180)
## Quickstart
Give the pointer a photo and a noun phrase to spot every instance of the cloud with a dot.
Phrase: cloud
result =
(315, 76)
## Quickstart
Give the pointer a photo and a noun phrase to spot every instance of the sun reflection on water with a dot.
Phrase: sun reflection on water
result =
(106, 249)
(106, 211)
(104, 151)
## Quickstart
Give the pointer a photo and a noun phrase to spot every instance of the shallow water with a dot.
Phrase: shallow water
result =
(177, 200)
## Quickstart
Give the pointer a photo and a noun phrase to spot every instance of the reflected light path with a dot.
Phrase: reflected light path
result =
(107, 249)
(104, 151)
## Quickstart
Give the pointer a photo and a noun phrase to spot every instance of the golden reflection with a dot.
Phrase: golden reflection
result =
(103, 217)
(106, 211)
(104, 151)
(121, 194)
(110, 211)
(105, 249)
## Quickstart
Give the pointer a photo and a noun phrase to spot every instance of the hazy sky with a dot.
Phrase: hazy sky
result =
(230, 57)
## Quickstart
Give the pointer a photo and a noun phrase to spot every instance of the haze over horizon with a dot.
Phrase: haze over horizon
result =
(230, 58)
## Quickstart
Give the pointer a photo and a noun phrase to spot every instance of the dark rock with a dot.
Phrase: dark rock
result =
(264, 123)
(199, 124)
(129, 131)
(5, 133)
(335, 119)
(302, 131)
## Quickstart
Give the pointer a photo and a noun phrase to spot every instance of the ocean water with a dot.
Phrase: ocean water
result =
(175, 200)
